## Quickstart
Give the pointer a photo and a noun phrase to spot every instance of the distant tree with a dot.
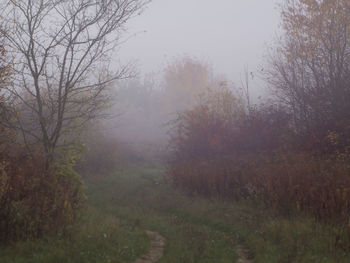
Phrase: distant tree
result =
(61, 52)
(205, 130)
(184, 80)
(142, 113)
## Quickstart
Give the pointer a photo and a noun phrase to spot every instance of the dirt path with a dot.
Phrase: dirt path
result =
(243, 254)
(157, 248)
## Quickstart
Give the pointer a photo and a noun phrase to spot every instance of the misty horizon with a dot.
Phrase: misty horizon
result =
(229, 36)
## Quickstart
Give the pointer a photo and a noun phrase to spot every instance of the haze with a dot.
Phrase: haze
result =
(231, 143)
(229, 34)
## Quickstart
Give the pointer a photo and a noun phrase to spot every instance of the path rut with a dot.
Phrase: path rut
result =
(243, 254)
(156, 251)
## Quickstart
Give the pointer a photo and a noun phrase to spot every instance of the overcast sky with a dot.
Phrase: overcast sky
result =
(227, 33)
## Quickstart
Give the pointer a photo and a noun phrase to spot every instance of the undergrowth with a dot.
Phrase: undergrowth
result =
(124, 204)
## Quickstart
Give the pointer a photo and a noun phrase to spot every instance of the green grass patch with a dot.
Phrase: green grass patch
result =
(201, 230)
(142, 196)
(99, 237)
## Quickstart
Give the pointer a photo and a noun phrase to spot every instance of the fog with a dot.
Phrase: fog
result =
(214, 123)
(229, 34)
(225, 37)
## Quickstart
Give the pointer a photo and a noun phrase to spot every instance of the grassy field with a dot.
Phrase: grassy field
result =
(123, 204)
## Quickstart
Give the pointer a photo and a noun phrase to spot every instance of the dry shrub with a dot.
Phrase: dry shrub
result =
(33, 201)
(258, 156)
(316, 185)
(286, 182)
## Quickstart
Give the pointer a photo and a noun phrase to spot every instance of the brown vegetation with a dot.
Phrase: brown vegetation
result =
(222, 151)
(35, 201)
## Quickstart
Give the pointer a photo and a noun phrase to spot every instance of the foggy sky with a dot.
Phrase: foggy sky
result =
(229, 34)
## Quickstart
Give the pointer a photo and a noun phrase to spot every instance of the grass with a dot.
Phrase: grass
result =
(141, 197)
(99, 237)
(123, 204)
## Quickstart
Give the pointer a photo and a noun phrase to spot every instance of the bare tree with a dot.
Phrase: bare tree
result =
(61, 51)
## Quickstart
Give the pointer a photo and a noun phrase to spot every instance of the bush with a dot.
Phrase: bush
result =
(34, 201)
(258, 156)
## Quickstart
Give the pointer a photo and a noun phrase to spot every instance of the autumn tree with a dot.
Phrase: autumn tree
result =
(310, 69)
(185, 79)
(205, 130)
(61, 52)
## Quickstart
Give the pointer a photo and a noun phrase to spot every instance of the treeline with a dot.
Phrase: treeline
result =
(291, 153)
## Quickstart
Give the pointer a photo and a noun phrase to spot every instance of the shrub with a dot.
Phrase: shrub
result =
(33, 201)
(258, 156)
